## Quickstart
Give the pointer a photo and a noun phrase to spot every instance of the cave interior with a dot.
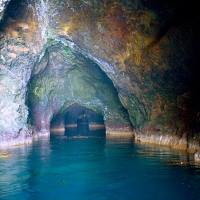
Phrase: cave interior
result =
(130, 66)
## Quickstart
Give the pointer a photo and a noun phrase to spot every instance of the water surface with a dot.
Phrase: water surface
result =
(87, 168)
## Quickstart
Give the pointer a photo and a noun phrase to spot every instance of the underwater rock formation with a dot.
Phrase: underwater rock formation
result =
(134, 62)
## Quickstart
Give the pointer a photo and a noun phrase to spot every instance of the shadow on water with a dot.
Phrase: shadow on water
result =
(81, 165)
(84, 130)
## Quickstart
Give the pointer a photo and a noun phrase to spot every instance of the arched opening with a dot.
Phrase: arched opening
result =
(79, 88)
(83, 121)
(77, 120)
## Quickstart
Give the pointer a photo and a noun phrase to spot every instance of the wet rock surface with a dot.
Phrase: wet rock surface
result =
(3, 5)
(5, 154)
(63, 78)
(136, 63)
(197, 156)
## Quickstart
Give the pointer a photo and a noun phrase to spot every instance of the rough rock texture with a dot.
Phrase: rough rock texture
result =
(197, 156)
(3, 5)
(148, 49)
(15, 70)
(62, 78)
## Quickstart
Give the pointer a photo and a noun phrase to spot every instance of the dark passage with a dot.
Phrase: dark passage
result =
(83, 121)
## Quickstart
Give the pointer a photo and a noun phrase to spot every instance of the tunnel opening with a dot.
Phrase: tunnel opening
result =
(83, 121)
(78, 120)
(77, 87)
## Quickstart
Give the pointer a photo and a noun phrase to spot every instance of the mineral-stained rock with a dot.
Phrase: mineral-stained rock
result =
(197, 156)
(136, 63)
(68, 78)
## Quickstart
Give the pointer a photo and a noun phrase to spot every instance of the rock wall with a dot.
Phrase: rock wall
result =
(3, 5)
(148, 49)
(62, 78)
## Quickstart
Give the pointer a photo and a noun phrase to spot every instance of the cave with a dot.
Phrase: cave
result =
(135, 63)
(97, 96)
(76, 82)
(78, 120)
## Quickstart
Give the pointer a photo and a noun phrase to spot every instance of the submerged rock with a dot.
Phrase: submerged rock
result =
(5, 154)
(179, 162)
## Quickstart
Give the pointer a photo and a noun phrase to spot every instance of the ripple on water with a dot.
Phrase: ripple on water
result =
(87, 168)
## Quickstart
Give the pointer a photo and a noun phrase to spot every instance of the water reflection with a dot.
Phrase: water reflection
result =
(68, 167)
(43, 145)
(85, 130)
(119, 140)
(166, 154)
(14, 171)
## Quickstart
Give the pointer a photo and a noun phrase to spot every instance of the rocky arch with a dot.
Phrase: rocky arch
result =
(76, 114)
(76, 118)
(62, 77)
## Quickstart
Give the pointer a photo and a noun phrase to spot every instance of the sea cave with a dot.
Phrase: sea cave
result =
(107, 69)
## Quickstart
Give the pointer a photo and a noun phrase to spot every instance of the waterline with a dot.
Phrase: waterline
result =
(81, 167)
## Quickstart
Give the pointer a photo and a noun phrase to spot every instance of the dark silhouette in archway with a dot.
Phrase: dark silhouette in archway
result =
(83, 121)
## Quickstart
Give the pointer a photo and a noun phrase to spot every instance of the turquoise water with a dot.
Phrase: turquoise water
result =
(67, 167)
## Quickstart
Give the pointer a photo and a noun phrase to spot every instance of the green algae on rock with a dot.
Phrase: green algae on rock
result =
(71, 78)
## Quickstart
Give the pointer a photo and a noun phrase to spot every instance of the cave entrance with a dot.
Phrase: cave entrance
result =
(83, 121)
(59, 96)
(77, 120)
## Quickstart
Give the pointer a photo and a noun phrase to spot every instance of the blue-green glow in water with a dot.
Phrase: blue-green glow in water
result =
(81, 168)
